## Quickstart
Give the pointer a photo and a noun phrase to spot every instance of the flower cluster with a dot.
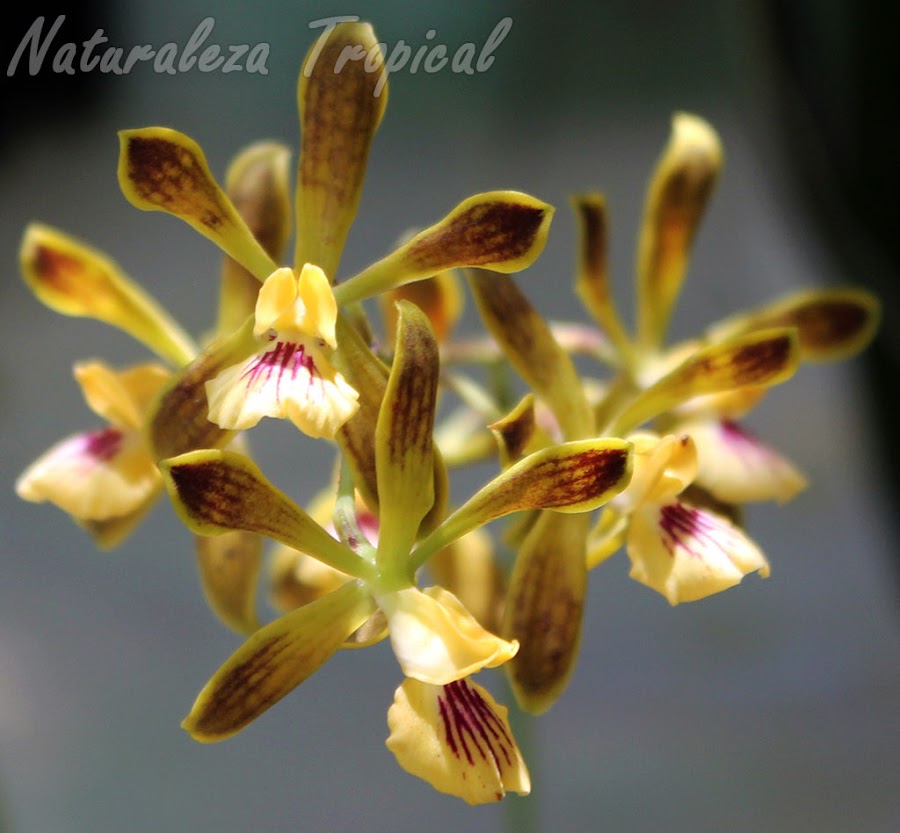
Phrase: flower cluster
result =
(656, 447)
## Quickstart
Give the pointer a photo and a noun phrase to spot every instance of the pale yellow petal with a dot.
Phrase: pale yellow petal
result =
(93, 476)
(283, 380)
(120, 397)
(275, 302)
(436, 640)
(737, 467)
(687, 553)
(458, 739)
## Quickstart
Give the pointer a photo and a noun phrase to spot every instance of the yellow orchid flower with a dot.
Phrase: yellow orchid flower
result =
(289, 375)
(105, 479)
(735, 466)
(681, 549)
(436, 641)
(284, 369)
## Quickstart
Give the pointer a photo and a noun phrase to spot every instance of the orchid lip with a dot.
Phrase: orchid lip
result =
(286, 357)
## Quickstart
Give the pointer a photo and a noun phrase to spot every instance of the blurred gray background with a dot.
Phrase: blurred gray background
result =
(772, 707)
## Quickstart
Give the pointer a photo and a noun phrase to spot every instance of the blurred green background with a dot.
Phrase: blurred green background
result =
(771, 707)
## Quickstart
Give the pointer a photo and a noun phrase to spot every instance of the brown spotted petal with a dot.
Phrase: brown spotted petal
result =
(179, 420)
(164, 170)
(274, 661)
(440, 298)
(592, 280)
(532, 350)
(403, 436)
(676, 200)
(229, 566)
(514, 431)
(368, 376)
(544, 607)
(74, 279)
(341, 103)
(761, 358)
(500, 230)
(570, 478)
(831, 324)
(257, 184)
(216, 491)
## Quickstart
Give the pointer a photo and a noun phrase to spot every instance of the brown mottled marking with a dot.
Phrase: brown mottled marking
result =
(184, 404)
(171, 177)
(482, 234)
(592, 214)
(61, 271)
(237, 698)
(544, 607)
(756, 362)
(824, 324)
(229, 497)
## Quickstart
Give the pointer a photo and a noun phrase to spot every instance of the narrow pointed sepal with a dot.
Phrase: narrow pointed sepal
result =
(544, 608)
(514, 431)
(274, 661)
(458, 739)
(179, 421)
(569, 478)
(529, 344)
(257, 184)
(440, 298)
(229, 566)
(217, 491)
(403, 435)
(164, 170)
(504, 231)
(592, 277)
(758, 359)
(75, 279)
(676, 200)
(341, 103)
(831, 324)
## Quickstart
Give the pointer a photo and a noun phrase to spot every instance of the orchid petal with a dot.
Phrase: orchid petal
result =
(403, 436)
(274, 661)
(75, 279)
(436, 640)
(676, 200)
(458, 739)
(341, 104)
(592, 283)
(216, 491)
(831, 324)
(532, 350)
(687, 553)
(765, 357)
(229, 566)
(737, 467)
(544, 606)
(500, 230)
(257, 184)
(164, 170)
(120, 397)
(570, 478)
(94, 476)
